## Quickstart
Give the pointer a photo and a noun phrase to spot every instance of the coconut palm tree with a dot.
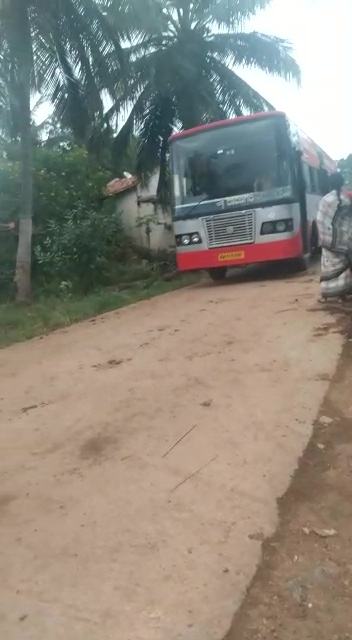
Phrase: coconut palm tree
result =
(69, 51)
(184, 70)
(9, 119)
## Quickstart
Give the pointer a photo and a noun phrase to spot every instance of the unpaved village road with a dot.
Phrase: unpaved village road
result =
(107, 530)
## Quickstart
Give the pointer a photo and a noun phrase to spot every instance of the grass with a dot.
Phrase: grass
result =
(19, 322)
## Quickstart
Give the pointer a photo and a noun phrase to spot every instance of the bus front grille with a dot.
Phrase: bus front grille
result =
(228, 229)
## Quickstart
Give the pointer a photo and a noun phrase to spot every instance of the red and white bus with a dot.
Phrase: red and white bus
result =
(246, 191)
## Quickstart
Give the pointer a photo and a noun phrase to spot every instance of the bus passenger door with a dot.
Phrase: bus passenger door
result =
(301, 188)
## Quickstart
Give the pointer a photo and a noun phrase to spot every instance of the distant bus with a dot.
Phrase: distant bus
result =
(246, 191)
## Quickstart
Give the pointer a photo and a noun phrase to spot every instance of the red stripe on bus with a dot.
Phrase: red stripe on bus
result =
(224, 123)
(252, 253)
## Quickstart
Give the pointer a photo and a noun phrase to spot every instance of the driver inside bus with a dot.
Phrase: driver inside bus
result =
(264, 183)
(196, 174)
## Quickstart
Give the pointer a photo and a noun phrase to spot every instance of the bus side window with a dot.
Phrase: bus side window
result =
(295, 179)
(306, 176)
(323, 182)
(313, 178)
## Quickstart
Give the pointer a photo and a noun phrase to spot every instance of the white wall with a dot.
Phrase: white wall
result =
(133, 215)
(151, 188)
(127, 205)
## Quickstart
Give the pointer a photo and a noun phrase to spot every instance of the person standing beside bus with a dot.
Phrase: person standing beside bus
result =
(335, 230)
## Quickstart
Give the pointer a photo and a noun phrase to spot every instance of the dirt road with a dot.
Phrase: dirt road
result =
(142, 454)
(303, 586)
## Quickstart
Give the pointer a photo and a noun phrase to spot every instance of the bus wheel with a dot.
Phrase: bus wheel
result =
(218, 274)
(300, 264)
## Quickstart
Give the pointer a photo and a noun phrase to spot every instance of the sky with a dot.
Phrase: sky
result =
(320, 32)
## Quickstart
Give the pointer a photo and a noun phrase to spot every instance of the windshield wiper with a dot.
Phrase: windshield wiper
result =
(192, 209)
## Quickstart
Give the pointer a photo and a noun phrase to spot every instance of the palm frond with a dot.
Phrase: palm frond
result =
(234, 94)
(153, 137)
(135, 19)
(133, 123)
(77, 59)
(225, 14)
(268, 53)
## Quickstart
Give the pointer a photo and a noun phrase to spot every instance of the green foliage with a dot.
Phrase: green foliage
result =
(75, 236)
(9, 188)
(78, 242)
(65, 179)
(22, 322)
(345, 166)
(80, 248)
(8, 246)
(72, 54)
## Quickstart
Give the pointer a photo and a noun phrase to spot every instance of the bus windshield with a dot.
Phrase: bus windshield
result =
(248, 162)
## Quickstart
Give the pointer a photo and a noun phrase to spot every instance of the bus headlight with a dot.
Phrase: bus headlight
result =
(267, 227)
(279, 226)
(185, 239)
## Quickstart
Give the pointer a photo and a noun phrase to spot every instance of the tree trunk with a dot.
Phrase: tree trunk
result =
(24, 251)
(15, 19)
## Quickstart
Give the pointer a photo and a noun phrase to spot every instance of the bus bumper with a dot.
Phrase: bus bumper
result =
(236, 256)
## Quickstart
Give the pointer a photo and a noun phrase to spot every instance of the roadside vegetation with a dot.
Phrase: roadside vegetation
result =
(83, 264)
(20, 321)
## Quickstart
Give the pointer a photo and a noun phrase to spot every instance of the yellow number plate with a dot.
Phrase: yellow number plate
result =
(231, 255)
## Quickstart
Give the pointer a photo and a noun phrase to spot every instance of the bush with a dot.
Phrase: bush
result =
(65, 179)
(8, 247)
(78, 240)
(79, 250)
(75, 237)
(9, 189)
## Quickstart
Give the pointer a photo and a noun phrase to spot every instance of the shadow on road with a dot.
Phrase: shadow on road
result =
(265, 272)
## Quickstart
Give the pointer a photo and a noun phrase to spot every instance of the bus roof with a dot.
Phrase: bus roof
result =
(312, 153)
(224, 123)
